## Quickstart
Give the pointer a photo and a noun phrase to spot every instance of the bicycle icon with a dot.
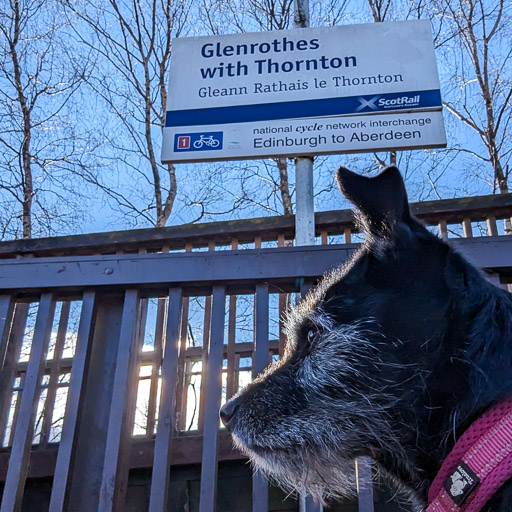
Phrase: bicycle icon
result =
(206, 141)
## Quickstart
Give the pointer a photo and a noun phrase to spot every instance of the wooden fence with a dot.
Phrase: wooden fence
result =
(116, 350)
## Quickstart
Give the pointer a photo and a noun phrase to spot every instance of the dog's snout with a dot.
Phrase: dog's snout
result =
(227, 412)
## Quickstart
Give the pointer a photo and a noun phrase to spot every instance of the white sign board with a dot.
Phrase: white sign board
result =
(303, 92)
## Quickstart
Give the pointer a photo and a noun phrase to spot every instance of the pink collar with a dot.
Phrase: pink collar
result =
(479, 464)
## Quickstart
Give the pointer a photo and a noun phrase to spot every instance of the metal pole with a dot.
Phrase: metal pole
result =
(308, 505)
(305, 210)
(364, 484)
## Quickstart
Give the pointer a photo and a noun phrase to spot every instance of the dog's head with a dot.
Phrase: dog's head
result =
(376, 362)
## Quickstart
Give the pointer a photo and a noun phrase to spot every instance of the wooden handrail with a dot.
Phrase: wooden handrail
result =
(336, 222)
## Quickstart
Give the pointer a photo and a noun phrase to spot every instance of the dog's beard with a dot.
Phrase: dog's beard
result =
(314, 450)
(322, 475)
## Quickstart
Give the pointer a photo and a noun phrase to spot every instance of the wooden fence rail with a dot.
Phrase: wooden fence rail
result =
(469, 216)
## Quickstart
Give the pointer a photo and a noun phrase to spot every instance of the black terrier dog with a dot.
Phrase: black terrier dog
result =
(392, 356)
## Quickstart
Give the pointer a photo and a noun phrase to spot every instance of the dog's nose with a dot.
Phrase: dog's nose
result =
(227, 412)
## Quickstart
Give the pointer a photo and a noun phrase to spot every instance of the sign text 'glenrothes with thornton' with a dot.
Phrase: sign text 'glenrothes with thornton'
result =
(303, 92)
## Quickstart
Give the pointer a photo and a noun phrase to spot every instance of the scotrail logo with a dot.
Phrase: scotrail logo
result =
(370, 104)
(380, 102)
(198, 141)
(401, 102)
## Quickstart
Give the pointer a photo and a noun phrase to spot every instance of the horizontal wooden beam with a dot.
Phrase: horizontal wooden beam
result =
(192, 269)
(166, 269)
(245, 231)
(491, 253)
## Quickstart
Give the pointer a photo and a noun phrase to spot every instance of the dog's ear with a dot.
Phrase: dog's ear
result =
(382, 200)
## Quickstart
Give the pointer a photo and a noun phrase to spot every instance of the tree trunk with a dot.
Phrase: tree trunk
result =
(26, 170)
(282, 165)
(171, 196)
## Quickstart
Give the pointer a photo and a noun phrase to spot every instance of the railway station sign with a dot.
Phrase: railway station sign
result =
(303, 92)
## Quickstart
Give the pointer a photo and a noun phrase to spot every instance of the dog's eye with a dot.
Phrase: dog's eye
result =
(312, 333)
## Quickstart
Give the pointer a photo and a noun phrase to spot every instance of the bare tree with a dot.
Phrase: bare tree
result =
(236, 190)
(380, 9)
(237, 16)
(475, 36)
(40, 144)
(132, 44)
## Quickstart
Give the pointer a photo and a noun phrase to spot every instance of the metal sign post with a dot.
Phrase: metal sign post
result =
(305, 207)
